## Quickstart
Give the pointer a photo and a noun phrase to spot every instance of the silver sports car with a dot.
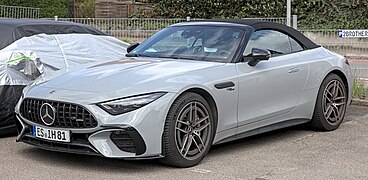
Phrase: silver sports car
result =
(189, 86)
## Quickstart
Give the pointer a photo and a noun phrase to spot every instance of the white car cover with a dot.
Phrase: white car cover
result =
(30, 57)
(65, 51)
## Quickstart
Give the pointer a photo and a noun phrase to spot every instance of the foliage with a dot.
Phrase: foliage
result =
(359, 89)
(326, 14)
(48, 8)
(86, 8)
(312, 14)
(197, 8)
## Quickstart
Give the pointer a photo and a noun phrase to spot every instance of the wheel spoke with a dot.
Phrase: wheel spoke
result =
(186, 123)
(336, 113)
(200, 140)
(339, 104)
(339, 98)
(184, 143)
(190, 140)
(201, 120)
(328, 111)
(182, 130)
(195, 142)
(327, 91)
(191, 113)
(328, 99)
(338, 88)
(335, 89)
(202, 127)
(195, 112)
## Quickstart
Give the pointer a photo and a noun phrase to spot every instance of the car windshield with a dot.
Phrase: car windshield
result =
(204, 43)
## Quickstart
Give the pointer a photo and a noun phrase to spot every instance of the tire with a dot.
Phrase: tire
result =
(187, 140)
(331, 104)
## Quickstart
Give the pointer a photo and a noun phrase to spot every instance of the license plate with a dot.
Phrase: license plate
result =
(51, 134)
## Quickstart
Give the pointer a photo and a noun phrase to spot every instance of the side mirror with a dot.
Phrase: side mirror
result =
(132, 47)
(259, 55)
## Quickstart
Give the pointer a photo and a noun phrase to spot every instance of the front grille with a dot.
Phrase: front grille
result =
(66, 115)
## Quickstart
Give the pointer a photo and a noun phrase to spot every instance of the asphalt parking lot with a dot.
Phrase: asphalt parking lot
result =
(293, 153)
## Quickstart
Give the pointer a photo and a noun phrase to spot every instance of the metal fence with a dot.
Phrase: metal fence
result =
(134, 29)
(127, 29)
(19, 12)
(329, 38)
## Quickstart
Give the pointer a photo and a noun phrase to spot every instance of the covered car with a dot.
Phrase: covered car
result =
(33, 48)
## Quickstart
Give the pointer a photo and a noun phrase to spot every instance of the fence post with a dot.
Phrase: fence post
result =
(56, 18)
(288, 13)
(295, 21)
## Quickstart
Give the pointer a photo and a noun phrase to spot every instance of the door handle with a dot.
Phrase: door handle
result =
(294, 70)
(224, 85)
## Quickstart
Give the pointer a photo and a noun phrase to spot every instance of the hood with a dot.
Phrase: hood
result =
(135, 74)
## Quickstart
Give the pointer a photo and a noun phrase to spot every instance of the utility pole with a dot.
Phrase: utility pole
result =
(288, 13)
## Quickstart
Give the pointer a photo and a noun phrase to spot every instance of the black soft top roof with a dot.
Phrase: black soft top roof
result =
(14, 29)
(259, 25)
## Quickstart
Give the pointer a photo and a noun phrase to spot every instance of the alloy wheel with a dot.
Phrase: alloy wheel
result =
(334, 102)
(193, 130)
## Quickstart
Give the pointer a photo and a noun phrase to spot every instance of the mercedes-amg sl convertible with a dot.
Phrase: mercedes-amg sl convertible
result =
(189, 86)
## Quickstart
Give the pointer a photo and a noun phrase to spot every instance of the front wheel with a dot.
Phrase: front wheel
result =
(330, 105)
(188, 132)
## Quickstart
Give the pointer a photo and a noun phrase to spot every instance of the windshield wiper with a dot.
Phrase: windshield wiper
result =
(176, 57)
(144, 55)
(136, 55)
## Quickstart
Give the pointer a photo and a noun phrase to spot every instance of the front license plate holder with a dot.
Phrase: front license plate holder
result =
(51, 134)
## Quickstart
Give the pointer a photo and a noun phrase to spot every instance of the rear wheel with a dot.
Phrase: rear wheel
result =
(189, 131)
(331, 104)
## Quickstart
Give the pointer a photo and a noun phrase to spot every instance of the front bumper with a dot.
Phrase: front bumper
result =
(108, 141)
(134, 135)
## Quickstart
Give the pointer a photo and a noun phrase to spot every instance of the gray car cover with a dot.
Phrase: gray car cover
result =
(14, 29)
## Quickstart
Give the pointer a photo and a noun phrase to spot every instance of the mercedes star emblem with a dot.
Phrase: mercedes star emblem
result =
(47, 113)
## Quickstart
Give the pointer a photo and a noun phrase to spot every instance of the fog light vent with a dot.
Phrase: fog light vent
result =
(123, 141)
(128, 140)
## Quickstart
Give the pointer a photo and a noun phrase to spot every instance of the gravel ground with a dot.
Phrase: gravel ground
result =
(292, 153)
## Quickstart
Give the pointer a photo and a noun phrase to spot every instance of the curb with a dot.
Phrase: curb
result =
(359, 102)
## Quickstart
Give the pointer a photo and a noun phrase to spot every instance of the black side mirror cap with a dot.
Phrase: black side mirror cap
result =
(131, 47)
(258, 55)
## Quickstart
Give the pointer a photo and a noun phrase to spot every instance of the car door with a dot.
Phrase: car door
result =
(272, 87)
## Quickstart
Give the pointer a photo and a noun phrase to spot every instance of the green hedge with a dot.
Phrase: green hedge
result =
(48, 8)
(311, 13)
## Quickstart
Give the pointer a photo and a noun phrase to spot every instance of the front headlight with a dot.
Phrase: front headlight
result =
(120, 106)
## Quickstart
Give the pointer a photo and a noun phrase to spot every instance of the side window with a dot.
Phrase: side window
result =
(276, 42)
(295, 46)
